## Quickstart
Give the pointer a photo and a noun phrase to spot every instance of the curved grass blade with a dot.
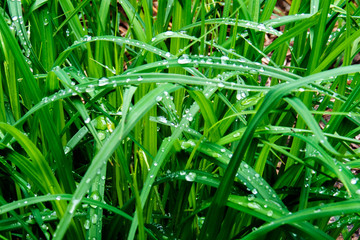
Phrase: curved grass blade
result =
(270, 213)
(34, 93)
(327, 210)
(107, 150)
(216, 209)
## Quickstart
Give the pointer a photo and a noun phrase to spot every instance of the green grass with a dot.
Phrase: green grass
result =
(179, 119)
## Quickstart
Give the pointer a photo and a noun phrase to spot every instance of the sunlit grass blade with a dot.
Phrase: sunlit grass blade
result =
(107, 150)
(328, 210)
(273, 97)
(183, 119)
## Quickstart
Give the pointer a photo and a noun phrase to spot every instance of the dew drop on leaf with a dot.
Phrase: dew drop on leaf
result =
(87, 224)
(169, 33)
(190, 177)
(103, 81)
(94, 218)
(236, 135)
(184, 59)
(354, 180)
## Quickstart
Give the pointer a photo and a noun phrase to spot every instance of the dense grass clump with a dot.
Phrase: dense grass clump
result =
(179, 119)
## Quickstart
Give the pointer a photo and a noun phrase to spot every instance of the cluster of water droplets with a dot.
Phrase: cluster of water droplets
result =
(188, 144)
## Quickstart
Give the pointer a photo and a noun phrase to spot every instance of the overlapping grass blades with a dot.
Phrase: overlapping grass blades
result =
(179, 119)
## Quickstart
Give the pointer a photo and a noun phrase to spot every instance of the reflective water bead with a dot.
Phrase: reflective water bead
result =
(66, 150)
(162, 119)
(184, 59)
(190, 177)
(103, 81)
(236, 135)
(94, 218)
(254, 205)
(169, 33)
(354, 180)
(87, 224)
(73, 205)
(221, 85)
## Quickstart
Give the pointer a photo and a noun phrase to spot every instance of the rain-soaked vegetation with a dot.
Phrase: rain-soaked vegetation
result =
(179, 119)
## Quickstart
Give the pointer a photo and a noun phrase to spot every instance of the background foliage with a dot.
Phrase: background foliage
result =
(179, 119)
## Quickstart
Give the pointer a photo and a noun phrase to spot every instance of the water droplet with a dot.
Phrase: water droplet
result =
(169, 33)
(190, 177)
(86, 38)
(94, 219)
(184, 59)
(354, 180)
(87, 224)
(101, 135)
(103, 81)
(89, 89)
(270, 213)
(162, 119)
(261, 26)
(254, 205)
(87, 120)
(224, 59)
(58, 198)
(158, 98)
(236, 135)
(66, 150)
(95, 195)
(27, 52)
(73, 205)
